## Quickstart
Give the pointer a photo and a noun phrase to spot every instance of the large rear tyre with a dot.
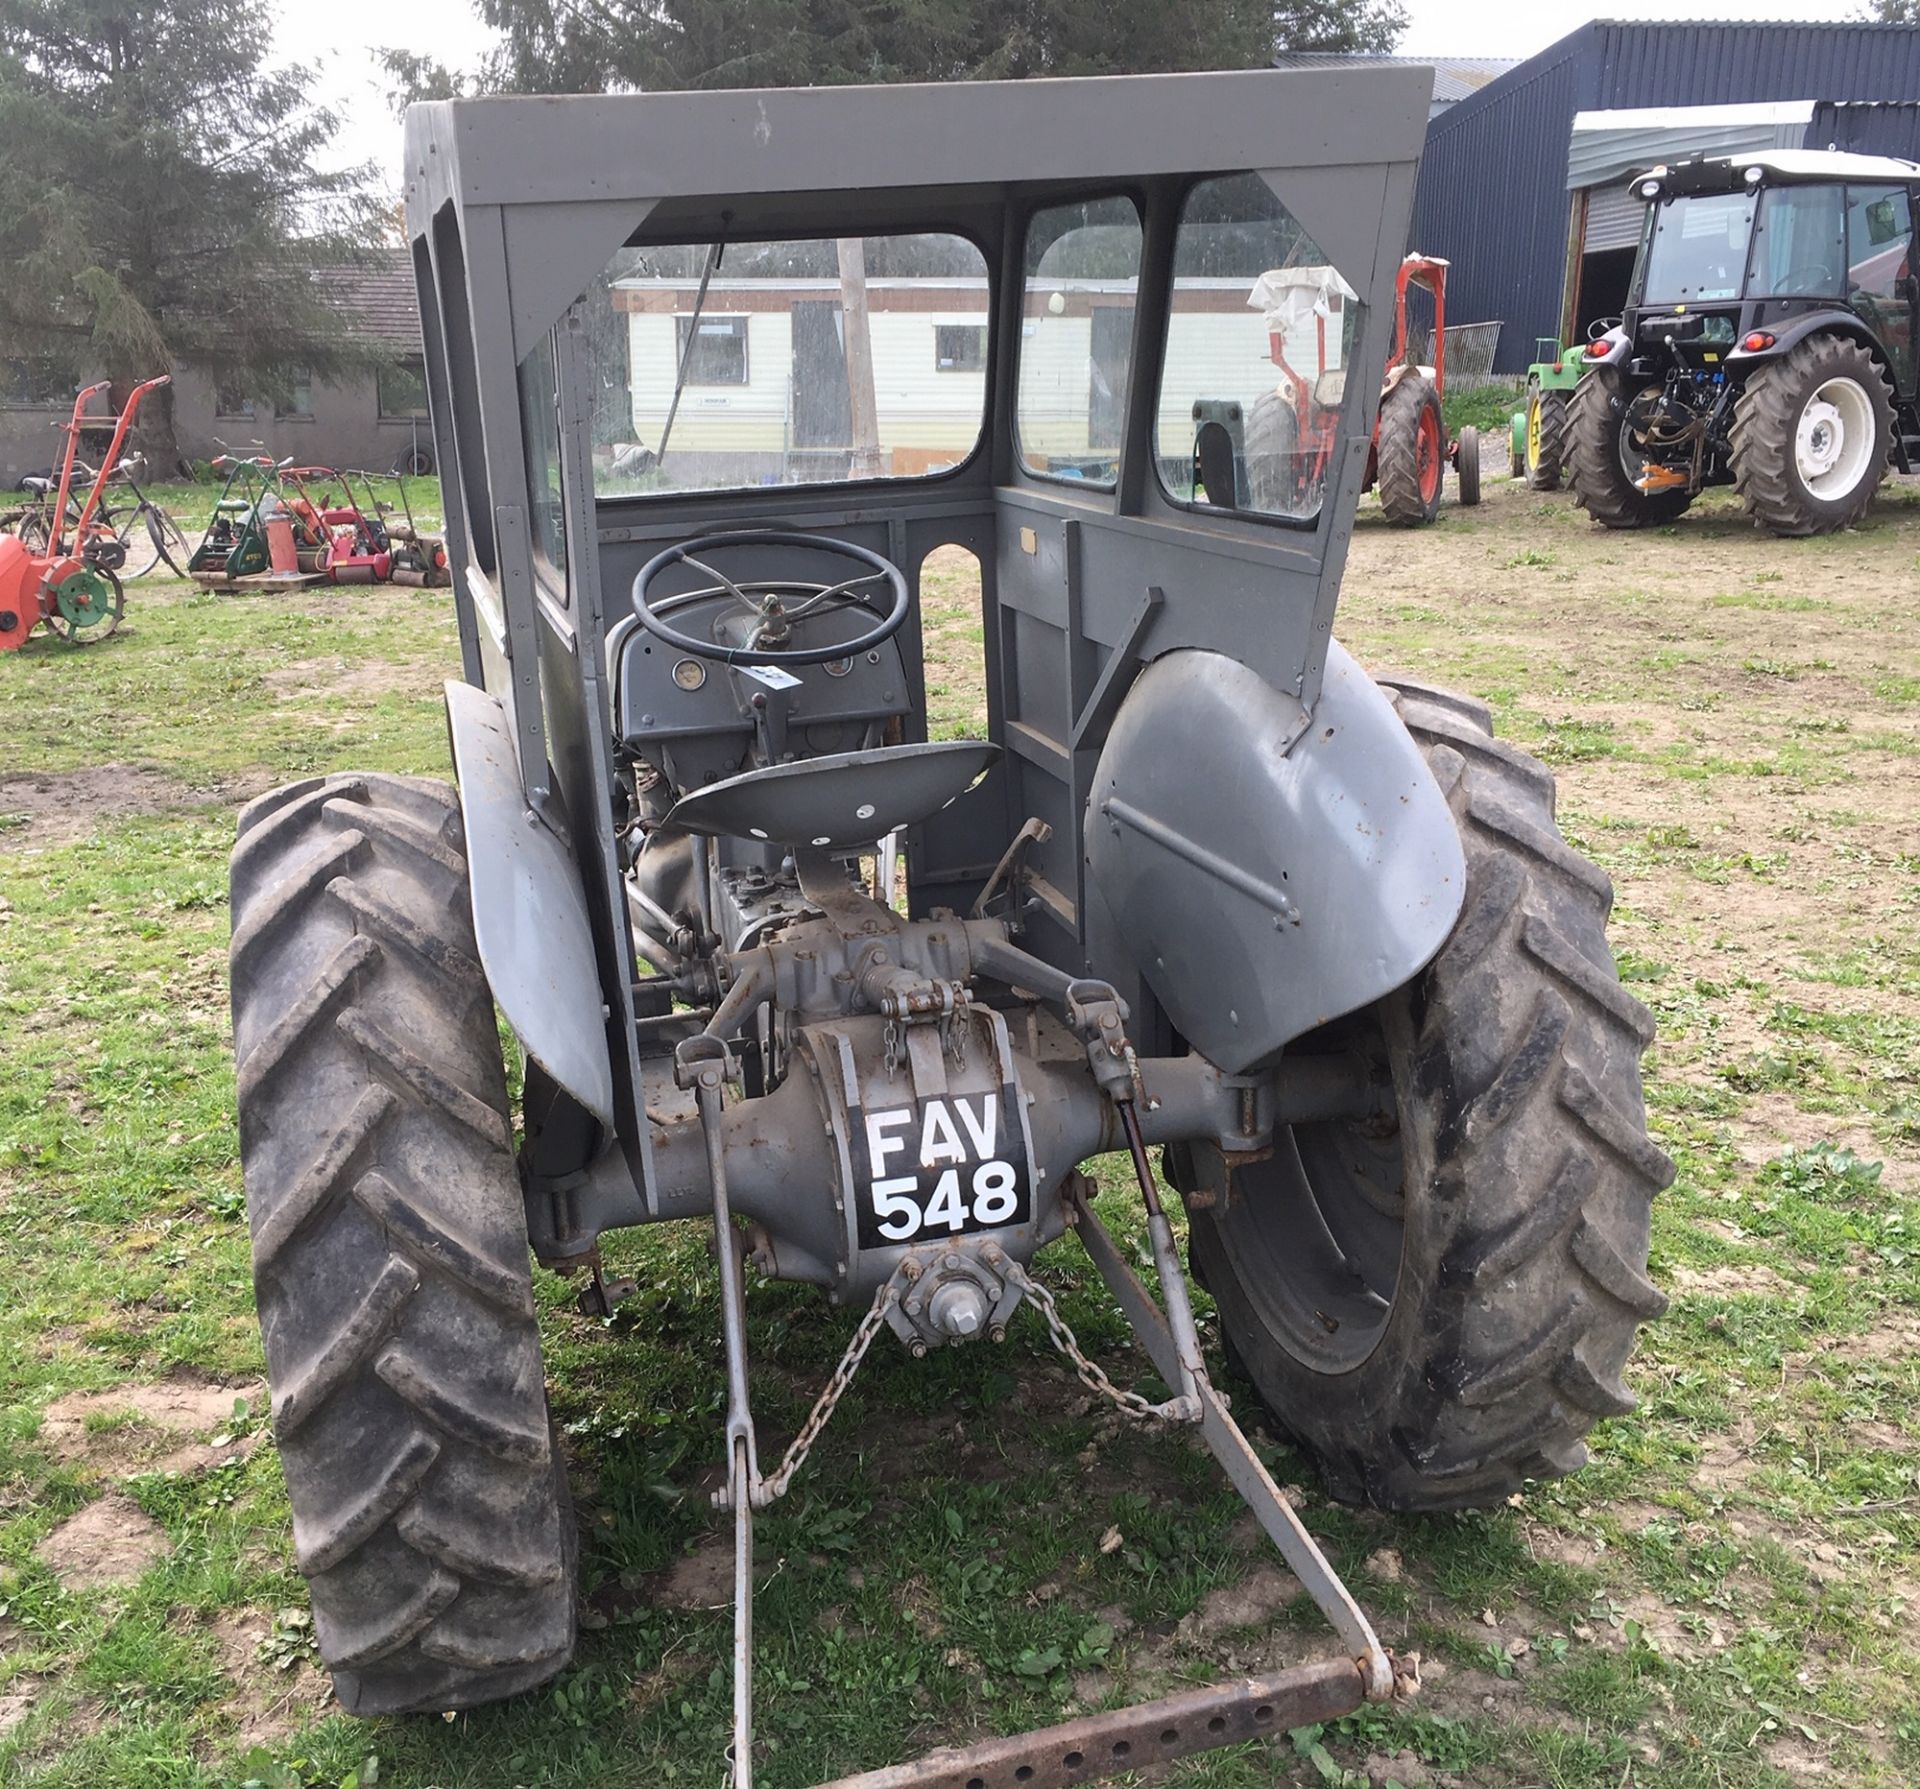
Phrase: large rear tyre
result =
(1272, 453)
(1604, 458)
(1412, 454)
(1438, 1305)
(1811, 437)
(1545, 455)
(430, 1514)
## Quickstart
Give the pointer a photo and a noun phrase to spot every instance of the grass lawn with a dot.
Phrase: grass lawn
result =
(1728, 1595)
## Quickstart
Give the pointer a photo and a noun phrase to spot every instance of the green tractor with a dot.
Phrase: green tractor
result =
(1537, 435)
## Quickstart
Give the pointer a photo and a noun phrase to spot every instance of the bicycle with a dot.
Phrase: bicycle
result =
(150, 536)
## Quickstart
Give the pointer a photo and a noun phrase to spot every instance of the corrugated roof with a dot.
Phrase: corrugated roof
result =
(1454, 77)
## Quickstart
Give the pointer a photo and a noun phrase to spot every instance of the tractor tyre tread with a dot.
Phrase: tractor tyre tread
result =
(1547, 472)
(1600, 483)
(391, 1271)
(1270, 448)
(1523, 1279)
(1467, 471)
(1397, 457)
(1762, 437)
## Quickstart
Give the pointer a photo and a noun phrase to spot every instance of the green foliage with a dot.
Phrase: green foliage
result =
(161, 200)
(787, 43)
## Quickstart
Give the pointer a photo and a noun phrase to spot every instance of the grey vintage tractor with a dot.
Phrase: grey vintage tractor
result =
(713, 376)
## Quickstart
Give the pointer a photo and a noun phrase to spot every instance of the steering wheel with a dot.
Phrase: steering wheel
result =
(1808, 277)
(775, 603)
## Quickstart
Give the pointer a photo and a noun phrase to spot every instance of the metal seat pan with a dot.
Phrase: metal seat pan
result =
(840, 801)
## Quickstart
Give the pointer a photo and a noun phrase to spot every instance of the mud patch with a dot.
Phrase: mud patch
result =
(48, 808)
(1732, 1280)
(15, 1706)
(169, 1427)
(268, 1703)
(109, 1542)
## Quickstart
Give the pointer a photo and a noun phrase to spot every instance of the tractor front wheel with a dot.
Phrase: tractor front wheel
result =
(430, 1513)
(1412, 454)
(1545, 454)
(1811, 437)
(1605, 459)
(1438, 1304)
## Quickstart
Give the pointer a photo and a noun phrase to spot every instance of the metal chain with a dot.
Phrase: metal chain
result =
(822, 1412)
(1089, 1372)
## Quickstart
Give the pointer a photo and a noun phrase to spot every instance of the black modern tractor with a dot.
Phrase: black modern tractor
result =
(857, 1001)
(1769, 343)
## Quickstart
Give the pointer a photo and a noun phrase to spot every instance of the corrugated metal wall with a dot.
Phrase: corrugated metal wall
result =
(1867, 129)
(1492, 195)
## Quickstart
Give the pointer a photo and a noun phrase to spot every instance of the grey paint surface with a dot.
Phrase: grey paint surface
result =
(1270, 869)
(529, 911)
(514, 207)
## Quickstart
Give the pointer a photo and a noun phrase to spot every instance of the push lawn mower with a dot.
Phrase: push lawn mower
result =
(234, 547)
(74, 587)
(351, 536)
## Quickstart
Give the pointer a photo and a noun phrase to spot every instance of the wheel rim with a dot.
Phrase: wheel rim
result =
(1833, 440)
(1533, 434)
(1430, 455)
(1315, 1231)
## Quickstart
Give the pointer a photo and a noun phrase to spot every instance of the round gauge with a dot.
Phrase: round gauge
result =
(837, 667)
(690, 673)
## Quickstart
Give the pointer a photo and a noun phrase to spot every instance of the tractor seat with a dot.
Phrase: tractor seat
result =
(840, 801)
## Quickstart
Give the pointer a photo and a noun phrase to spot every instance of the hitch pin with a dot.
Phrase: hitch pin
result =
(1173, 1280)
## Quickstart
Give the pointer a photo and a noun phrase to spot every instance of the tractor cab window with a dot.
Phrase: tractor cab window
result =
(1696, 249)
(1261, 333)
(1076, 339)
(540, 435)
(722, 366)
(1799, 244)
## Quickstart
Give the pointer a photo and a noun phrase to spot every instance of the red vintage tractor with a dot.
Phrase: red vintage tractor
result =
(1292, 431)
(72, 584)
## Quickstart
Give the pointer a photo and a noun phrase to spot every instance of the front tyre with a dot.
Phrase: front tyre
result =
(1411, 456)
(1438, 1304)
(1605, 457)
(1811, 437)
(430, 1514)
(1544, 457)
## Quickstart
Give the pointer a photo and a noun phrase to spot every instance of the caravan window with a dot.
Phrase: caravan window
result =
(785, 363)
(1076, 339)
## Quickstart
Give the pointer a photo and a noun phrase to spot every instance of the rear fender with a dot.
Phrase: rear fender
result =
(1790, 334)
(1268, 868)
(530, 916)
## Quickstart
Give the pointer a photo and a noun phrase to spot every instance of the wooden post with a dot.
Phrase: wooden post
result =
(862, 404)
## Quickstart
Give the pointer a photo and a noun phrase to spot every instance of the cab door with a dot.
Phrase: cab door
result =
(1882, 286)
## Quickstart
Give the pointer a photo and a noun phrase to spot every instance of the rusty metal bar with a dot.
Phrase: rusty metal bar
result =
(1101, 1745)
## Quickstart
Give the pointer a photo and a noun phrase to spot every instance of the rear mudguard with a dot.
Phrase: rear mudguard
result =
(1268, 868)
(1789, 334)
(530, 916)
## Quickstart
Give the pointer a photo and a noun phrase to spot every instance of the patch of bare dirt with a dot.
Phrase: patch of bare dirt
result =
(340, 678)
(54, 808)
(15, 1706)
(167, 1427)
(267, 1703)
(1800, 1760)
(1251, 1601)
(1746, 1279)
(109, 1542)
(701, 1579)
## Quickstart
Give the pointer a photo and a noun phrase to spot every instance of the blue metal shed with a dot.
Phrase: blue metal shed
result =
(1495, 194)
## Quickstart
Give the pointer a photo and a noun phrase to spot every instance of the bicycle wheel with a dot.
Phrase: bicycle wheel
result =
(32, 530)
(124, 525)
(169, 544)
